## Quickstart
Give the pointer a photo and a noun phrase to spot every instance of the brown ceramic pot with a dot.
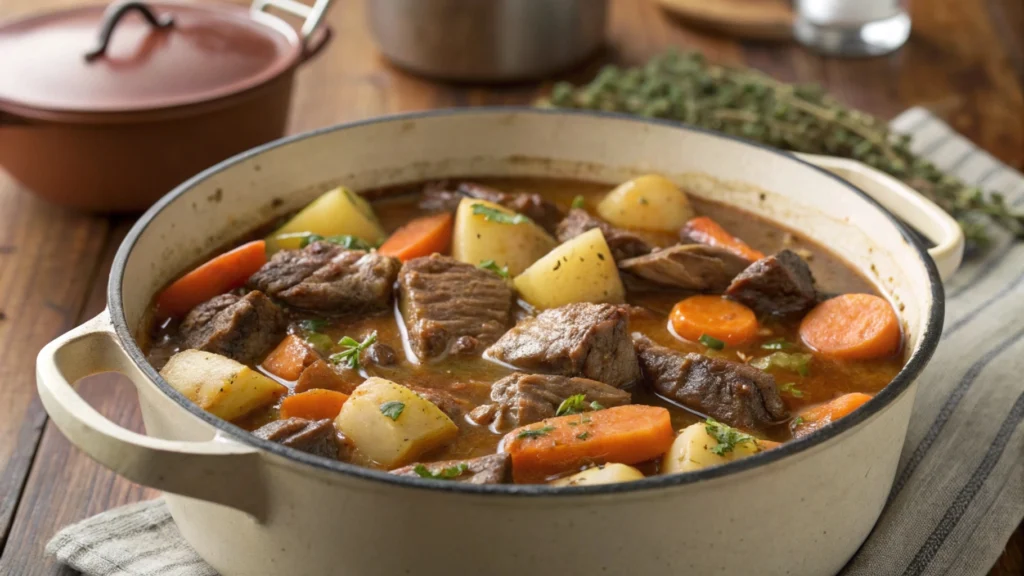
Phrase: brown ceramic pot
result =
(107, 110)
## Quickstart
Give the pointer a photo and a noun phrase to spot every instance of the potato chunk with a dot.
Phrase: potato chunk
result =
(697, 448)
(220, 385)
(487, 231)
(649, 202)
(338, 212)
(580, 270)
(603, 474)
(393, 425)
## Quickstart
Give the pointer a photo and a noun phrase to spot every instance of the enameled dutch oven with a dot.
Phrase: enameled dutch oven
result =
(107, 110)
(253, 508)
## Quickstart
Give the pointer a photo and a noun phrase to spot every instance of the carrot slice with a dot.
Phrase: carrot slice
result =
(725, 320)
(624, 434)
(290, 357)
(420, 237)
(314, 404)
(226, 272)
(706, 231)
(319, 374)
(852, 327)
(814, 418)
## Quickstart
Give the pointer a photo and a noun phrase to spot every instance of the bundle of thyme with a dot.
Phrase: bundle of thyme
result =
(798, 117)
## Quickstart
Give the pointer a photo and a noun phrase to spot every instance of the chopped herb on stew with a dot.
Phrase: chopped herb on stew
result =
(345, 241)
(493, 267)
(495, 215)
(710, 342)
(322, 342)
(726, 436)
(578, 201)
(583, 435)
(449, 473)
(313, 324)
(776, 344)
(799, 362)
(351, 349)
(392, 409)
(595, 405)
(572, 405)
(535, 433)
(791, 389)
(797, 421)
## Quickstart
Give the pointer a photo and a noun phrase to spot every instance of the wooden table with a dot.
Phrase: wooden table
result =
(965, 61)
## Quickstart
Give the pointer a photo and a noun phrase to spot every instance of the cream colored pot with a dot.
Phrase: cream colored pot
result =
(254, 508)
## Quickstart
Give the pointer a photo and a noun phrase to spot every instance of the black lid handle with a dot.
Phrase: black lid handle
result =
(113, 15)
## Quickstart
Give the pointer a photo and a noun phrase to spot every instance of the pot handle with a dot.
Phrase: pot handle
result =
(311, 18)
(906, 204)
(213, 470)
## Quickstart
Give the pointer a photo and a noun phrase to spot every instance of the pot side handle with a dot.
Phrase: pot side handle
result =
(906, 204)
(213, 470)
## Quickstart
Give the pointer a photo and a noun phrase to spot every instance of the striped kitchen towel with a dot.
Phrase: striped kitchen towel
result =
(959, 491)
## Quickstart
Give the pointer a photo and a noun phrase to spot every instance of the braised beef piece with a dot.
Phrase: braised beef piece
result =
(450, 307)
(449, 404)
(522, 399)
(623, 243)
(781, 284)
(445, 197)
(329, 278)
(687, 266)
(588, 340)
(492, 469)
(314, 436)
(239, 327)
(380, 354)
(737, 394)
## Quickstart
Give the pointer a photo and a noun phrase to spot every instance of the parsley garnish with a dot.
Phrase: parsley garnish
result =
(583, 436)
(351, 350)
(791, 389)
(595, 405)
(776, 344)
(711, 342)
(495, 215)
(798, 362)
(537, 433)
(392, 409)
(578, 202)
(448, 473)
(726, 436)
(493, 267)
(797, 421)
(572, 405)
(345, 241)
(313, 324)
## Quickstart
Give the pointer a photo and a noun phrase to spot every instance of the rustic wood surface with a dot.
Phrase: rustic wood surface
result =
(965, 60)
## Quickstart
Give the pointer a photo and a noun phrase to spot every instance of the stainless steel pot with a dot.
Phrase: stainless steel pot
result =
(255, 508)
(487, 40)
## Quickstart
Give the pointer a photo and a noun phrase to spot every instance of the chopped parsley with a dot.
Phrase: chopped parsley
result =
(728, 438)
(797, 421)
(449, 473)
(799, 362)
(536, 433)
(345, 241)
(574, 404)
(583, 436)
(310, 331)
(499, 216)
(493, 267)
(791, 389)
(392, 409)
(595, 405)
(313, 324)
(776, 344)
(578, 202)
(351, 349)
(711, 342)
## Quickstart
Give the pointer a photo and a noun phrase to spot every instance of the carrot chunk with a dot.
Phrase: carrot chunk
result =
(812, 419)
(706, 231)
(852, 327)
(420, 237)
(319, 374)
(624, 434)
(289, 358)
(315, 404)
(226, 272)
(721, 319)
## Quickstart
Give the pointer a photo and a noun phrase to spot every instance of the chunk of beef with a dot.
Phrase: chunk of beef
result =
(780, 284)
(445, 197)
(739, 395)
(688, 266)
(314, 436)
(327, 277)
(523, 399)
(239, 327)
(588, 340)
(623, 243)
(450, 405)
(493, 469)
(450, 307)
(380, 354)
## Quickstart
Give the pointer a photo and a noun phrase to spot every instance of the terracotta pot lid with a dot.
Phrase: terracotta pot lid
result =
(159, 55)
